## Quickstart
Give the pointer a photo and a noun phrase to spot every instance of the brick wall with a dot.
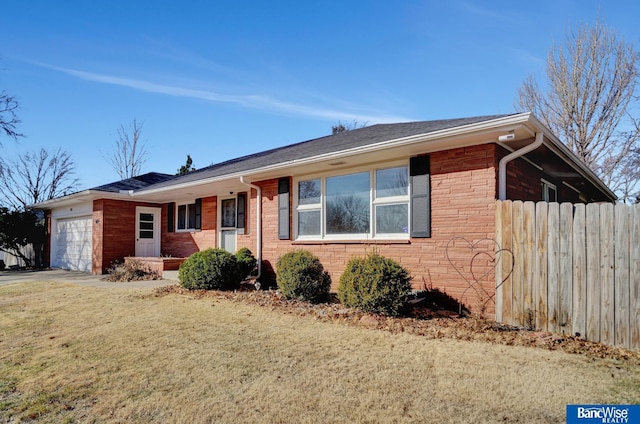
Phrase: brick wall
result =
(182, 244)
(463, 205)
(119, 217)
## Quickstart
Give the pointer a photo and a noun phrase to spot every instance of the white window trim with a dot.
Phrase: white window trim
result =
(546, 185)
(177, 216)
(373, 202)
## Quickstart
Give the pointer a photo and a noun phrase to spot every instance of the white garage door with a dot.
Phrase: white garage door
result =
(73, 244)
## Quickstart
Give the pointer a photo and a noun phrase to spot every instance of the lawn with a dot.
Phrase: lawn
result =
(70, 353)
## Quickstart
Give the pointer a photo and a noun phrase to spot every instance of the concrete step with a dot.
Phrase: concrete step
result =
(170, 275)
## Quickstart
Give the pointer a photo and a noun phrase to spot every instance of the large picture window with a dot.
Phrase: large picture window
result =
(362, 205)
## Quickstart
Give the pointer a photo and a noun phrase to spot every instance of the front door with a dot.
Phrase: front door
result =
(228, 224)
(147, 232)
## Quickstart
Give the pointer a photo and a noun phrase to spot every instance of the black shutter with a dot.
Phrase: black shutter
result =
(171, 220)
(241, 209)
(420, 196)
(198, 223)
(283, 209)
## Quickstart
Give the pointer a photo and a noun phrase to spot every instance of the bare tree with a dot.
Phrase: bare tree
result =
(347, 126)
(36, 177)
(130, 152)
(587, 100)
(8, 117)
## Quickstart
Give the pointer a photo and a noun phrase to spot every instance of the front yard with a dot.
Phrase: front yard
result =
(80, 354)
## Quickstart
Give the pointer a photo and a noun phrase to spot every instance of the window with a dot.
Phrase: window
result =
(361, 205)
(188, 217)
(549, 192)
(228, 217)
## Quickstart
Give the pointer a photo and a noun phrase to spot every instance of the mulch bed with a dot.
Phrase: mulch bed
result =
(423, 320)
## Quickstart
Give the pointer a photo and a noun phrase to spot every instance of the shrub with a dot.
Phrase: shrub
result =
(2, 265)
(211, 269)
(131, 270)
(375, 284)
(246, 262)
(301, 276)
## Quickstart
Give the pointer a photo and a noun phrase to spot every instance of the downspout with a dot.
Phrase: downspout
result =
(502, 166)
(258, 223)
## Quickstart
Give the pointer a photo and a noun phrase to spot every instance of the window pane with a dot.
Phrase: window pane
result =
(309, 192)
(392, 219)
(182, 217)
(229, 213)
(309, 223)
(348, 204)
(145, 234)
(146, 225)
(146, 217)
(392, 182)
(191, 209)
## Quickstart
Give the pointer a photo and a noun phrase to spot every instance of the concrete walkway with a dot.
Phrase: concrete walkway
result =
(75, 277)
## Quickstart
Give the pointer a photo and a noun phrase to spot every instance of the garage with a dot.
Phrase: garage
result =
(71, 247)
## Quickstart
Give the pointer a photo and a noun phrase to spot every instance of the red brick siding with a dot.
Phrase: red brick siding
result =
(182, 244)
(463, 205)
(119, 218)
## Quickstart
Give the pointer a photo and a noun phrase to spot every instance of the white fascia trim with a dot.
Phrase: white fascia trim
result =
(478, 128)
(81, 196)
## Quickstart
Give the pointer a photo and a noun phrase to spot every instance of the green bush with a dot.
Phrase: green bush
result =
(301, 276)
(375, 284)
(246, 262)
(211, 269)
(2, 265)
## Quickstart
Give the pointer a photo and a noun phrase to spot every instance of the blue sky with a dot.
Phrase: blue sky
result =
(221, 79)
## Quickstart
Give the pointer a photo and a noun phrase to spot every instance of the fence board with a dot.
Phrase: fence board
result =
(541, 266)
(634, 280)
(507, 286)
(607, 313)
(553, 267)
(565, 273)
(529, 265)
(518, 268)
(621, 276)
(499, 277)
(593, 273)
(579, 299)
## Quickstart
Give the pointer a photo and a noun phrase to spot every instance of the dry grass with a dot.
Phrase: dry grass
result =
(80, 354)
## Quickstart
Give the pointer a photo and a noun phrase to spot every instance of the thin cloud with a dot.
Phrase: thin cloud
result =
(485, 12)
(249, 101)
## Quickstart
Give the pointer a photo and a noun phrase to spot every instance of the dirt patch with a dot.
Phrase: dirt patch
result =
(421, 320)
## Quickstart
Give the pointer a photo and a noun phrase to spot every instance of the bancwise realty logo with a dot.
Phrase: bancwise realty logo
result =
(619, 414)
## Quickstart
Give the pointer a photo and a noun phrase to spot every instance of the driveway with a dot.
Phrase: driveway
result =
(74, 277)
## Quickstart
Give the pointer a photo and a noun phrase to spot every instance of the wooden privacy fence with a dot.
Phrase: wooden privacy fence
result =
(576, 269)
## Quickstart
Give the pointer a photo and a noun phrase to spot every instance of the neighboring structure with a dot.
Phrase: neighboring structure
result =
(405, 189)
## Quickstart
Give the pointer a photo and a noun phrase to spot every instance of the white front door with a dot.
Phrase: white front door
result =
(147, 231)
(228, 224)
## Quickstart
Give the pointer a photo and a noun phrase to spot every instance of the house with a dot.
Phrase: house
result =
(404, 189)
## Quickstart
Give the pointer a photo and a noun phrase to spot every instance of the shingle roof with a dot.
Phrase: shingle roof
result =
(330, 144)
(135, 183)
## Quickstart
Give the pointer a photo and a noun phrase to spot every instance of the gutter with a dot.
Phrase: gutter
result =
(502, 166)
(258, 223)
